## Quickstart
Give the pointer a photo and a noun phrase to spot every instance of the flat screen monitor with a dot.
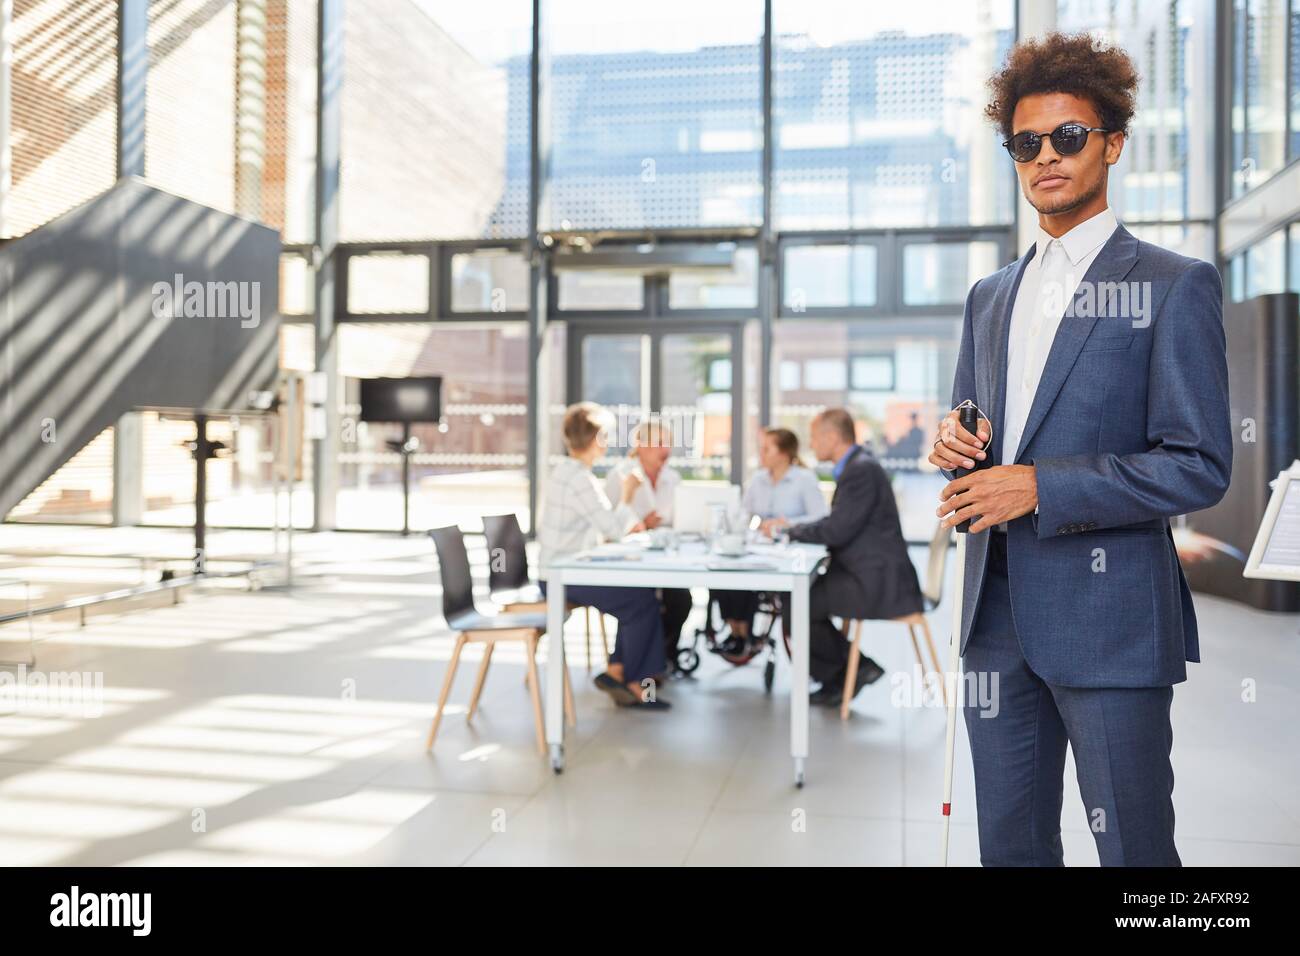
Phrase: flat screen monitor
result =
(694, 500)
(401, 399)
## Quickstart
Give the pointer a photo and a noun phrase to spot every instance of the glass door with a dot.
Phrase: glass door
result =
(687, 375)
(695, 392)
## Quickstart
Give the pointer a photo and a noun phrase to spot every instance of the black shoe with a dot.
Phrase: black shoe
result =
(619, 692)
(868, 673)
(658, 703)
(831, 698)
(831, 693)
(819, 696)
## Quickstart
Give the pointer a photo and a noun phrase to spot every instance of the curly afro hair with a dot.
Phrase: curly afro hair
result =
(1066, 63)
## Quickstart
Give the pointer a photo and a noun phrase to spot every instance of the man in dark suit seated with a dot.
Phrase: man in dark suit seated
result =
(870, 576)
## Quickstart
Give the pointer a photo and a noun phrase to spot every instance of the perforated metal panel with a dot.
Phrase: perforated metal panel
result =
(275, 123)
(190, 103)
(64, 112)
(883, 127)
(647, 138)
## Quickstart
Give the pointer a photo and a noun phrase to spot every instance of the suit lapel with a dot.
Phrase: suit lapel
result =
(1112, 264)
(853, 453)
(992, 397)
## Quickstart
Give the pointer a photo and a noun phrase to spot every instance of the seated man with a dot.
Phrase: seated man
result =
(870, 575)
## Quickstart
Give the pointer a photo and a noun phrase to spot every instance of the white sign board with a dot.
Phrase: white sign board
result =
(1276, 552)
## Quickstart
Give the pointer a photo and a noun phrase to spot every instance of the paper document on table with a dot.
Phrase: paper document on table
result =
(741, 564)
(618, 556)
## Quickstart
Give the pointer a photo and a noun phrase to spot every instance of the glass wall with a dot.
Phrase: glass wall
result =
(698, 400)
(826, 275)
(1293, 149)
(471, 463)
(435, 139)
(489, 280)
(890, 196)
(878, 114)
(1166, 172)
(1293, 258)
(1261, 75)
(894, 375)
(873, 325)
(388, 283)
(655, 114)
(1262, 268)
(941, 273)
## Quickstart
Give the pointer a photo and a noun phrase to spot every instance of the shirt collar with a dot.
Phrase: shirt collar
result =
(844, 459)
(1083, 239)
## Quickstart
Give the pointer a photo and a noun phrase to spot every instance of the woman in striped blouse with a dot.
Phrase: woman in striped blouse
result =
(576, 514)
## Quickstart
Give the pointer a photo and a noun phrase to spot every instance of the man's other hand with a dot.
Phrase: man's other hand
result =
(993, 495)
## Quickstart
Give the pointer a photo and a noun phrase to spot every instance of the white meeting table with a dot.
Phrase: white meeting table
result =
(767, 567)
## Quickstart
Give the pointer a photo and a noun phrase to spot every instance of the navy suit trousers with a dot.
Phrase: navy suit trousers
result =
(1120, 737)
(639, 641)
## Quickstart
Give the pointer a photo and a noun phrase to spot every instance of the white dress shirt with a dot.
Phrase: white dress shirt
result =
(657, 498)
(576, 514)
(1048, 285)
(797, 495)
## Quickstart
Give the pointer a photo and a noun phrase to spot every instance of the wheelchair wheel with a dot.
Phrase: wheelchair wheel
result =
(688, 661)
(769, 674)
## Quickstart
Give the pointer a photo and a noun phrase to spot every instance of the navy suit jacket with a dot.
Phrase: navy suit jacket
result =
(1129, 427)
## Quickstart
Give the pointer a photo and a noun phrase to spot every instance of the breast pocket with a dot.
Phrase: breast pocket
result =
(1108, 343)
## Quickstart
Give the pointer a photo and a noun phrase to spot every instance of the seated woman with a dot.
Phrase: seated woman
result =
(575, 516)
(652, 444)
(781, 488)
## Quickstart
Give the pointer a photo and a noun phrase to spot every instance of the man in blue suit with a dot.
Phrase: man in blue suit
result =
(1098, 363)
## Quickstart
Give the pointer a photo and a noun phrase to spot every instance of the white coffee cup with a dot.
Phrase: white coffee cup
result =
(732, 545)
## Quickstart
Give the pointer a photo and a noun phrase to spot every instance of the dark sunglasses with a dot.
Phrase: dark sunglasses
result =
(1067, 139)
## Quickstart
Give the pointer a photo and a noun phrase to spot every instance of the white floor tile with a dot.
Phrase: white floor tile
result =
(277, 727)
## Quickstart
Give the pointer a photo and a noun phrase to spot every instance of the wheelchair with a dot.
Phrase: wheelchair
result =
(718, 640)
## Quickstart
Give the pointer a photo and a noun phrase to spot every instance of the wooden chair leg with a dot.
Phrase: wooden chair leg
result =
(536, 694)
(446, 690)
(851, 675)
(478, 681)
(916, 649)
(570, 711)
(934, 656)
(604, 638)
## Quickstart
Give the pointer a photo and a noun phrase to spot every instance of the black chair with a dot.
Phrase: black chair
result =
(473, 627)
(508, 579)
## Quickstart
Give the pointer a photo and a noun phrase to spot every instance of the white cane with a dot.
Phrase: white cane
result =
(954, 668)
(968, 415)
